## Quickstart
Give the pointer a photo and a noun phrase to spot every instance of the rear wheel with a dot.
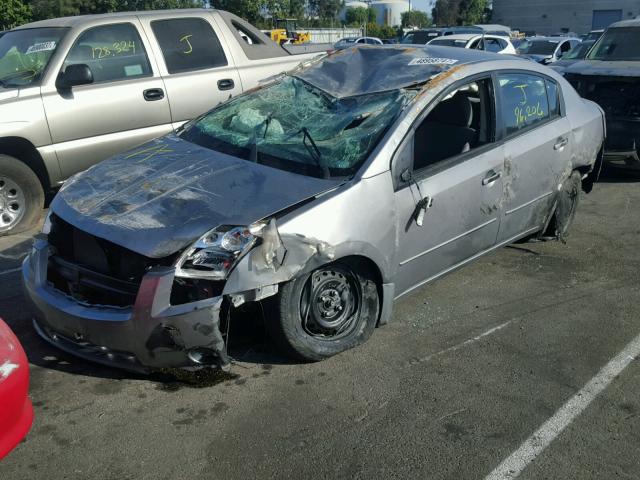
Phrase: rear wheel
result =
(21, 196)
(568, 199)
(325, 312)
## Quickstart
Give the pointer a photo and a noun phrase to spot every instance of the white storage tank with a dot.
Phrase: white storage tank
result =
(389, 12)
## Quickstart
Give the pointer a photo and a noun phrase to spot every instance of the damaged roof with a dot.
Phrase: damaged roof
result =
(372, 69)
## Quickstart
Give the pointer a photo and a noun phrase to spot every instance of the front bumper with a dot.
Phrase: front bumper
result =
(151, 335)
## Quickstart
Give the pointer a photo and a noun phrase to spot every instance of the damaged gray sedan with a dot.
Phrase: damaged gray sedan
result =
(325, 194)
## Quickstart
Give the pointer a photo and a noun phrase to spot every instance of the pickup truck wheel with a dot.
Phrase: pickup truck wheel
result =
(325, 312)
(21, 196)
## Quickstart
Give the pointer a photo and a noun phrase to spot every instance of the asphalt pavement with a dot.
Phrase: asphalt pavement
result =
(515, 358)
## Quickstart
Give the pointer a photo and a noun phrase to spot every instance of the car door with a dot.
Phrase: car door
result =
(537, 146)
(124, 106)
(449, 172)
(196, 66)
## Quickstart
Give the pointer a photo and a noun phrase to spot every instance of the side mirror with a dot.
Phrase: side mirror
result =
(74, 75)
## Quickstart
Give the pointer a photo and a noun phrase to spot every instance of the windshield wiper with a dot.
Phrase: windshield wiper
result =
(253, 154)
(314, 152)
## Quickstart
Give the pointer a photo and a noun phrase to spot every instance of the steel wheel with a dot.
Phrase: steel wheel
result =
(329, 303)
(12, 203)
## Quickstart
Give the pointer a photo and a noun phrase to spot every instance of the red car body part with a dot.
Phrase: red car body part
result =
(16, 411)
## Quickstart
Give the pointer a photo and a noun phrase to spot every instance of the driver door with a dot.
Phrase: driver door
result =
(452, 167)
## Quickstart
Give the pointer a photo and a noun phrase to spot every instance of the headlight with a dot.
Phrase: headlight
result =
(216, 252)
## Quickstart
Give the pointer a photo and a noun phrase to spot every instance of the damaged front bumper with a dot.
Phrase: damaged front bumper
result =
(151, 335)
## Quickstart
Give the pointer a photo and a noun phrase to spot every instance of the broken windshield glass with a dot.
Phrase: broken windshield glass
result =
(24, 54)
(297, 127)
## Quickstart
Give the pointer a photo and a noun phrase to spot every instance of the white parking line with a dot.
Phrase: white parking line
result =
(13, 270)
(426, 358)
(513, 465)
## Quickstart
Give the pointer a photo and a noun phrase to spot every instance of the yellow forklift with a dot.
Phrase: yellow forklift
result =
(285, 31)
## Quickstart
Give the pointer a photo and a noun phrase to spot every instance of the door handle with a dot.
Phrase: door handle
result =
(153, 94)
(491, 177)
(562, 142)
(226, 84)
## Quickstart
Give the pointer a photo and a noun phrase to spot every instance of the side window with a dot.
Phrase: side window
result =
(188, 44)
(523, 101)
(112, 52)
(476, 44)
(554, 98)
(462, 121)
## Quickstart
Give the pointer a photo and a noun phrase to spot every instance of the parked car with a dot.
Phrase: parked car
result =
(423, 36)
(577, 53)
(76, 90)
(420, 37)
(16, 414)
(326, 194)
(351, 41)
(489, 43)
(546, 50)
(610, 76)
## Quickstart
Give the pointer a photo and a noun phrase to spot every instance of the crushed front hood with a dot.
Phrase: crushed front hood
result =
(167, 193)
(596, 67)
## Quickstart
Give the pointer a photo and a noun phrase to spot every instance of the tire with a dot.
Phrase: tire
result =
(351, 306)
(21, 196)
(567, 204)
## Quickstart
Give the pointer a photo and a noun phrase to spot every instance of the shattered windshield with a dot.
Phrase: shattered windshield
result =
(24, 55)
(537, 47)
(294, 126)
(620, 43)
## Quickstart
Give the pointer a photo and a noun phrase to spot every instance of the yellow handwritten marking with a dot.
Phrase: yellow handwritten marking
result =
(186, 39)
(524, 92)
(150, 152)
(524, 114)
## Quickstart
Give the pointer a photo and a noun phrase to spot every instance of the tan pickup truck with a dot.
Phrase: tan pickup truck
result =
(76, 90)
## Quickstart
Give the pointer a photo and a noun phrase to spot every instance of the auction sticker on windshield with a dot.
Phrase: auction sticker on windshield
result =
(41, 47)
(433, 61)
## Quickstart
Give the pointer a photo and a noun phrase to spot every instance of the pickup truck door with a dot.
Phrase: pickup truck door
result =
(195, 63)
(124, 106)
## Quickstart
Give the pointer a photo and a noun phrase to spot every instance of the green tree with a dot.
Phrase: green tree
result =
(360, 15)
(13, 13)
(415, 18)
(446, 12)
(250, 10)
(325, 9)
(472, 12)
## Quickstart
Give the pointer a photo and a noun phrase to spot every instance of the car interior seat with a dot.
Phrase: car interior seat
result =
(446, 132)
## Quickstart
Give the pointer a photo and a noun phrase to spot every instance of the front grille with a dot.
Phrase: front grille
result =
(93, 270)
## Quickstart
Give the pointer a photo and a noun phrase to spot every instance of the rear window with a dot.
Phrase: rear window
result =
(188, 44)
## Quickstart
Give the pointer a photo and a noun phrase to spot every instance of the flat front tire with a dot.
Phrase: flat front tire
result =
(21, 196)
(325, 312)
